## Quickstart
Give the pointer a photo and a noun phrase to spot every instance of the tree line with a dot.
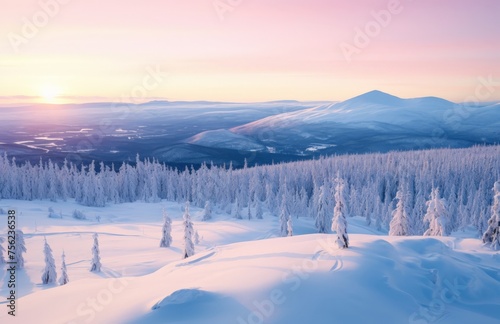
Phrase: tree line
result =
(464, 178)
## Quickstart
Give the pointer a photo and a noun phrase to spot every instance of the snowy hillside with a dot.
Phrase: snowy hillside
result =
(374, 121)
(372, 107)
(222, 138)
(242, 273)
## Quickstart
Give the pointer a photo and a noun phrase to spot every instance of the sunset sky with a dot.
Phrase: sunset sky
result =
(247, 50)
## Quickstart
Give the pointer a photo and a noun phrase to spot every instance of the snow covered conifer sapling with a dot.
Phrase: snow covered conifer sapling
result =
(339, 222)
(492, 234)
(49, 274)
(166, 238)
(236, 213)
(20, 249)
(284, 216)
(207, 211)
(258, 209)
(436, 215)
(196, 238)
(64, 279)
(95, 265)
(188, 233)
(249, 211)
(399, 223)
(321, 215)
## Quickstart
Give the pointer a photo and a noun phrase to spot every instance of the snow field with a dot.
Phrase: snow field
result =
(243, 273)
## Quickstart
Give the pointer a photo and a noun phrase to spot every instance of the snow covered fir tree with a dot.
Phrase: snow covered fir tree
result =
(491, 236)
(64, 278)
(207, 211)
(259, 214)
(20, 248)
(283, 218)
(196, 238)
(436, 215)
(399, 225)
(236, 211)
(166, 237)
(95, 264)
(49, 274)
(339, 222)
(321, 209)
(188, 233)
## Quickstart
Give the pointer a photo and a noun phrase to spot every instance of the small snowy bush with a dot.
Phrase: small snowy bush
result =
(78, 214)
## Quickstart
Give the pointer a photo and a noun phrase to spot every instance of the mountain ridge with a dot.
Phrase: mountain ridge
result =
(372, 121)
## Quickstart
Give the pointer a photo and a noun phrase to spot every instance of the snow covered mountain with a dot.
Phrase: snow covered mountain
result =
(374, 121)
(372, 107)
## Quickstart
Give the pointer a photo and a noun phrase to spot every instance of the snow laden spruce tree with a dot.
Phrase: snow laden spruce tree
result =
(207, 211)
(49, 274)
(339, 222)
(284, 218)
(20, 249)
(436, 215)
(166, 231)
(321, 212)
(64, 279)
(188, 233)
(236, 212)
(258, 209)
(95, 265)
(399, 223)
(491, 236)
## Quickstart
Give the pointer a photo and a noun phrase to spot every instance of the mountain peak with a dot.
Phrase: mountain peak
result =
(375, 97)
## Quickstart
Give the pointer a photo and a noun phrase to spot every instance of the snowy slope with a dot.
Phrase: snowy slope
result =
(372, 107)
(243, 274)
(225, 139)
(374, 121)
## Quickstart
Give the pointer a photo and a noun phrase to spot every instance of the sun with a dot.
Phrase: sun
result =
(50, 93)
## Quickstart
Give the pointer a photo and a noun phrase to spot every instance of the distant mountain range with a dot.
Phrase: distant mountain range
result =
(184, 133)
(372, 122)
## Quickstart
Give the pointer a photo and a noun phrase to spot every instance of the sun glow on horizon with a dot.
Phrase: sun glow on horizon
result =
(49, 93)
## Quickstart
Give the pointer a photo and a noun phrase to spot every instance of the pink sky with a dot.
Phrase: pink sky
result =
(261, 50)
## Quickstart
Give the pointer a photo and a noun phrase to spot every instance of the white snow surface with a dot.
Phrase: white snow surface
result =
(226, 139)
(243, 273)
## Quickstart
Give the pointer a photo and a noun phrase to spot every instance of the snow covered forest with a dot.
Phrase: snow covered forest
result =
(465, 178)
